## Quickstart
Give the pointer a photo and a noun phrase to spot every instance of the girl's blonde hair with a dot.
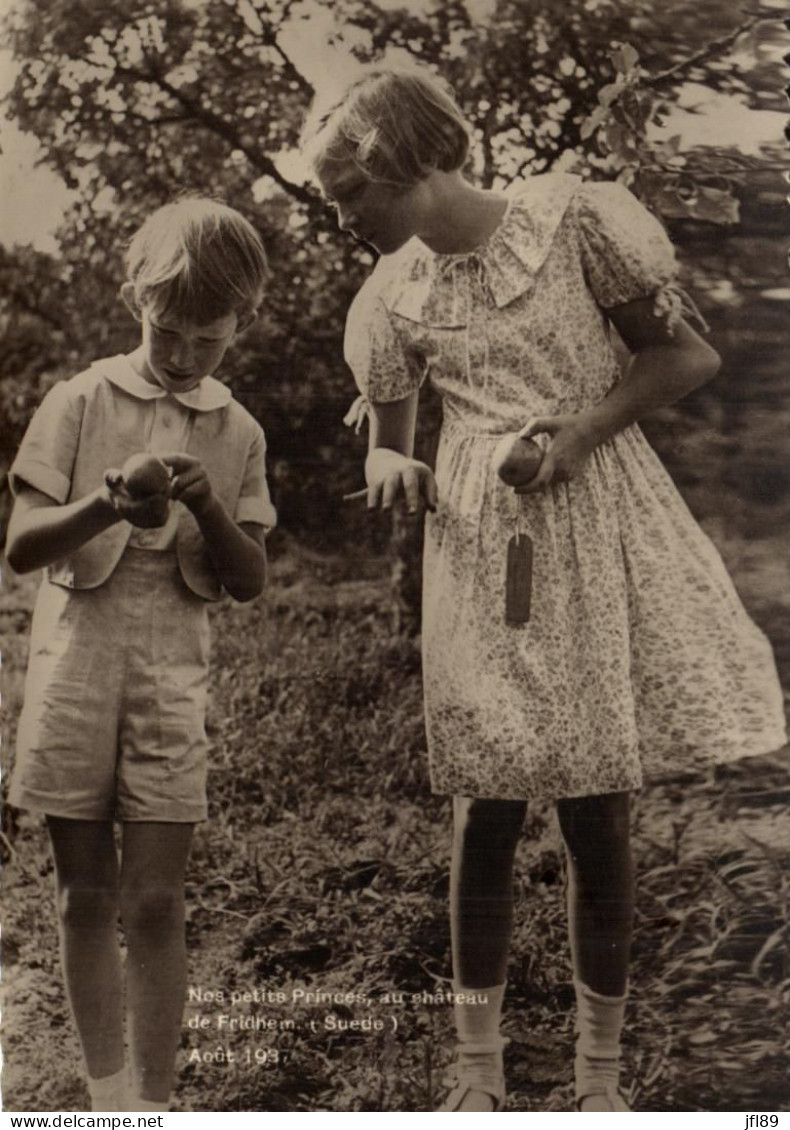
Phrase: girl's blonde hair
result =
(396, 126)
(198, 258)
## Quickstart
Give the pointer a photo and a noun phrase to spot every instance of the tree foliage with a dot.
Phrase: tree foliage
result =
(134, 101)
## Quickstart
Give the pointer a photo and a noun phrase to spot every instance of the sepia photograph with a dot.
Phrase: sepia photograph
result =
(423, 367)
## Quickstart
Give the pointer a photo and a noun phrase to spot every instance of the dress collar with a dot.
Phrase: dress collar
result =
(206, 396)
(427, 287)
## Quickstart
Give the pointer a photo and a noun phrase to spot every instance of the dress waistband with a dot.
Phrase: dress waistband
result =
(452, 429)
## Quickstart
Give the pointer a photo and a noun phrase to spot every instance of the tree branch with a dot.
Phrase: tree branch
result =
(164, 120)
(269, 37)
(269, 29)
(709, 51)
(223, 129)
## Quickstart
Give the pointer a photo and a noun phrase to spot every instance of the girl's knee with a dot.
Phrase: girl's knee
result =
(82, 907)
(152, 910)
(491, 821)
(597, 824)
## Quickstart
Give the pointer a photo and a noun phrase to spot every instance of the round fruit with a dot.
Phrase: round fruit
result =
(516, 459)
(157, 513)
(144, 475)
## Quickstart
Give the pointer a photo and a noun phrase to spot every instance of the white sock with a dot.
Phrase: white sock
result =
(138, 1104)
(479, 1023)
(108, 1093)
(479, 1042)
(599, 1022)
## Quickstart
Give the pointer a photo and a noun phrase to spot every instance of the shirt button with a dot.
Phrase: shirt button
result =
(143, 539)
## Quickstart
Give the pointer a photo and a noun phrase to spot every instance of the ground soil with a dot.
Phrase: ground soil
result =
(323, 871)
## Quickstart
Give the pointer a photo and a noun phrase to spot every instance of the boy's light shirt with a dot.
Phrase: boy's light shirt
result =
(169, 431)
(86, 424)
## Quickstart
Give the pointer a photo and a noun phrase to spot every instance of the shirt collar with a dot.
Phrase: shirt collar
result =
(206, 396)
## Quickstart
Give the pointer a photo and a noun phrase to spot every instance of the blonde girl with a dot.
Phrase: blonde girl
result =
(623, 652)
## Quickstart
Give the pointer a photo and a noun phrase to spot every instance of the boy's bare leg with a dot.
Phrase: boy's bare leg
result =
(86, 878)
(153, 865)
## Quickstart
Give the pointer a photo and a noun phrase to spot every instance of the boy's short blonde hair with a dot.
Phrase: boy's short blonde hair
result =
(198, 258)
(396, 126)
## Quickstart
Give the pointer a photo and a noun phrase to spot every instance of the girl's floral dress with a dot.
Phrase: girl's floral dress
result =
(638, 659)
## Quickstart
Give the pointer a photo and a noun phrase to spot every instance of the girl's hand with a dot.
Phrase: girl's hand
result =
(573, 442)
(391, 475)
(190, 484)
(147, 513)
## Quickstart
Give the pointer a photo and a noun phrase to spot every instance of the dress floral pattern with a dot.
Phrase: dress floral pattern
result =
(638, 660)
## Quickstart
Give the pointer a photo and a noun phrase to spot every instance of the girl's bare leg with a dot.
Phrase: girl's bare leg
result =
(486, 834)
(86, 878)
(600, 888)
(600, 918)
(154, 858)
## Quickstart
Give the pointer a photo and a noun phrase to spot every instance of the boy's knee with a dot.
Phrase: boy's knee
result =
(152, 910)
(87, 907)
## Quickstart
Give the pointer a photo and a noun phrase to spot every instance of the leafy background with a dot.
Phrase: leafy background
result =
(323, 866)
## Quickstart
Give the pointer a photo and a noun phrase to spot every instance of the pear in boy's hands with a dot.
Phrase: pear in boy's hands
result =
(140, 491)
(516, 459)
(144, 475)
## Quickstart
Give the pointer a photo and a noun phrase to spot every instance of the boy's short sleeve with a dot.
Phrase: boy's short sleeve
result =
(625, 251)
(384, 367)
(46, 456)
(254, 503)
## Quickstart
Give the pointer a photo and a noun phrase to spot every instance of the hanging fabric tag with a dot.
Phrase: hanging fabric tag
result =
(518, 579)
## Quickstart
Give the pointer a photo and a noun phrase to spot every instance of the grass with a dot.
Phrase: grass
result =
(322, 871)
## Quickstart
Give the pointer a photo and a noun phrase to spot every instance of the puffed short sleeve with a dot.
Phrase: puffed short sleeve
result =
(46, 456)
(254, 503)
(376, 351)
(625, 251)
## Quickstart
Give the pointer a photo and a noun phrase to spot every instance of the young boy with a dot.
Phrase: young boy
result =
(113, 722)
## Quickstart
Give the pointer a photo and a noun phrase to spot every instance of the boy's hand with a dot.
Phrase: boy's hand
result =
(147, 513)
(190, 484)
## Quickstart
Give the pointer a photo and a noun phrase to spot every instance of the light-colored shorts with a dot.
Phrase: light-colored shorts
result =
(115, 698)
